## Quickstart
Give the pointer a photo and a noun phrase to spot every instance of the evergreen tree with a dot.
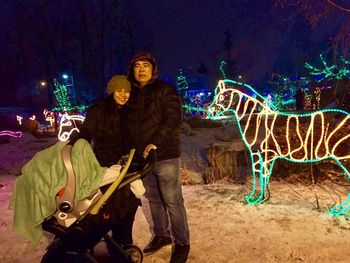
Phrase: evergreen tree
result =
(203, 69)
(182, 85)
(61, 94)
(230, 69)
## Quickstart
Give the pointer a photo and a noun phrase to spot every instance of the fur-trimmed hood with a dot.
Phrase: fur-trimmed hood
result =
(142, 56)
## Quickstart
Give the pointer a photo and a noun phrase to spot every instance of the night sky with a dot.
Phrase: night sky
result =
(184, 33)
(43, 39)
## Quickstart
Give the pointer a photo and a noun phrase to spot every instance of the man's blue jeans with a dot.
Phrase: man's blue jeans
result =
(163, 191)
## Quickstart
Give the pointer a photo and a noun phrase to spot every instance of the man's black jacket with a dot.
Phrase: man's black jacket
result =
(154, 116)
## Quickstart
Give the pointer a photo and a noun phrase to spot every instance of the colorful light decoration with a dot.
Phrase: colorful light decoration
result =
(330, 72)
(72, 108)
(49, 116)
(16, 134)
(252, 114)
(61, 94)
(192, 108)
(222, 65)
(182, 85)
(181, 81)
(68, 121)
(19, 119)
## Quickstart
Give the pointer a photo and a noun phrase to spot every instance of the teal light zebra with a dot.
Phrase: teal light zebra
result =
(310, 137)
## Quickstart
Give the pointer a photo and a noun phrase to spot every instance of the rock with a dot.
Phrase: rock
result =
(228, 132)
(186, 129)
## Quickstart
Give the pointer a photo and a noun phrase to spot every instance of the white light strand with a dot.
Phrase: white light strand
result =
(68, 121)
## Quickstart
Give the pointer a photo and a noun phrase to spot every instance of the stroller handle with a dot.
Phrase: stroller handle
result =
(126, 178)
(113, 186)
(146, 169)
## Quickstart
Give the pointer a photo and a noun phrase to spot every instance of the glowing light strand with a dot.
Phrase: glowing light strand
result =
(330, 72)
(181, 81)
(222, 65)
(305, 149)
(193, 108)
(49, 116)
(19, 119)
(68, 121)
(61, 94)
(14, 134)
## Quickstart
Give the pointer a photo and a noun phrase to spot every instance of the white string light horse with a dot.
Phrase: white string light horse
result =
(309, 137)
(68, 121)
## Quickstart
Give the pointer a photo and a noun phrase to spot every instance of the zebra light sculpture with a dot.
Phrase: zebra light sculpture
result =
(309, 137)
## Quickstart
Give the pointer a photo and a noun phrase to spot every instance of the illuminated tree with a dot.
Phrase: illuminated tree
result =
(181, 82)
(338, 78)
(61, 94)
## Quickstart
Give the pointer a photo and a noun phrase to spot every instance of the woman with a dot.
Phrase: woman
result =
(103, 128)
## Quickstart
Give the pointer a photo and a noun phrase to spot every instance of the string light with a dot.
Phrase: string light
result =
(181, 81)
(68, 121)
(307, 148)
(49, 116)
(61, 94)
(222, 65)
(72, 108)
(19, 119)
(330, 72)
(192, 108)
(16, 134)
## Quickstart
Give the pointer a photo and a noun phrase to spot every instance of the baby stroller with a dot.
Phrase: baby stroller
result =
(74, 224)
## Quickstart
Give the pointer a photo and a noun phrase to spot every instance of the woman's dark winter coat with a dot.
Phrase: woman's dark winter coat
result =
(103, 128)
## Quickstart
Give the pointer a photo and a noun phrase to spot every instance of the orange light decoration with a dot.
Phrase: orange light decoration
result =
(310, 137)
(49, 116)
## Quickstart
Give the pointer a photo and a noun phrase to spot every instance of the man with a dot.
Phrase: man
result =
(299, 99)
(154, 116)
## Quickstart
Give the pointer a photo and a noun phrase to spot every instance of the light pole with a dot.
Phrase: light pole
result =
(71, 85)
(46, 85)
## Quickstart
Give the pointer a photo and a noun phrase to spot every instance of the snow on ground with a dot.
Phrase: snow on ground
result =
(223, 228)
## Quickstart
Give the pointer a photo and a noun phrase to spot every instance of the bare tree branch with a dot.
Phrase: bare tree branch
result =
(316, 11)
(338, 6)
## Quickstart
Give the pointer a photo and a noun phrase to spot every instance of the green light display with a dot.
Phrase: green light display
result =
(330, 72)
(61, 94)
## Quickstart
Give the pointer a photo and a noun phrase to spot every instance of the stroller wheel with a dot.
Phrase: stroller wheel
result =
(134, 253)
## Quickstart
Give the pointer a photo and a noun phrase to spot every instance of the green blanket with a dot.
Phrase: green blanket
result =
(33, 197)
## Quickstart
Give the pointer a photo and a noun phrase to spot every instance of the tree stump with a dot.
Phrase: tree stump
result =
(227, 160)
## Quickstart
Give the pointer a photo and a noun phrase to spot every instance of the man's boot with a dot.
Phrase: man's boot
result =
(156, 243)
(180, 253)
